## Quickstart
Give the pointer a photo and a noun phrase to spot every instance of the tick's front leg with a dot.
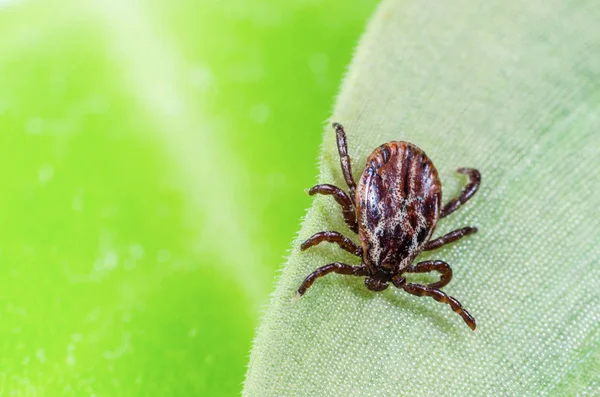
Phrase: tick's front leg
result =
(335, 267)
(467, 192)
(440, 296)
(348, 210)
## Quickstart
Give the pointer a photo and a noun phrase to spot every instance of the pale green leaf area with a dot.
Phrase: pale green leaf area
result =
(153, 157)
(513, 89)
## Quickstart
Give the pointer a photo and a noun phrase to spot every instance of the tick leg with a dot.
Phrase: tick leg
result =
(333, 237)
(335, 267)
(467, 192)
(422, 290)
(439, 266)
(343, 199)
(345, 158)
(449, 238)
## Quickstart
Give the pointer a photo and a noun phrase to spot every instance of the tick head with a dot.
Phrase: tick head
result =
(379, 280)
(375, 285)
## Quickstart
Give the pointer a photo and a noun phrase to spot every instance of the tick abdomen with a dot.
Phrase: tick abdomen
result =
(399, 200)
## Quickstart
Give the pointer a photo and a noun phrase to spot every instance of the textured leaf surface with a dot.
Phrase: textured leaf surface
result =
(511, 88)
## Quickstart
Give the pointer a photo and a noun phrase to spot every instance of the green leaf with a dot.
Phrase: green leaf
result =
(147, 194)
(511, 88)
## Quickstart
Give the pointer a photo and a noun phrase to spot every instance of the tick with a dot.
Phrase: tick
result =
(394, 209)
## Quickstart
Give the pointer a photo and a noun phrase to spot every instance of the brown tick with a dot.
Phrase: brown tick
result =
(394, 209)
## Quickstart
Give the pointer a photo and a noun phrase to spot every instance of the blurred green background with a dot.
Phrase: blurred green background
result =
(153, 161)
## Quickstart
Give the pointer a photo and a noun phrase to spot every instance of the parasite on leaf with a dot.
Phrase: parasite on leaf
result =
(394, 209)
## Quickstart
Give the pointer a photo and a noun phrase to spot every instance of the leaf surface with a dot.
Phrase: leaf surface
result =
(511, 88)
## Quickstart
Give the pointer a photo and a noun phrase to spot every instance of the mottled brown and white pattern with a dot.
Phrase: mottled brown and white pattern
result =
(399, 202)
(394, 209)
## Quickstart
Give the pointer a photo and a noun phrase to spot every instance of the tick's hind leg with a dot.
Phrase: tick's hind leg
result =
(348, 210)
(335, 267)
(422, 290)
(467, 192)
(333, 237)
(344, 157)
(449, 238)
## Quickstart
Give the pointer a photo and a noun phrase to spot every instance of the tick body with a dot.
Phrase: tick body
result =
(394, 209)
